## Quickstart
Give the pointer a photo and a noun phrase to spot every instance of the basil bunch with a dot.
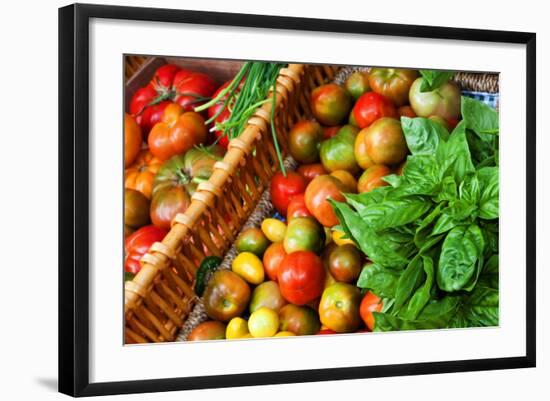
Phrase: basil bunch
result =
(432, 234)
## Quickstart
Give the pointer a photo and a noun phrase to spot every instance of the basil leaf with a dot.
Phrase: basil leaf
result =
(479, 117)
(433, 79)
(469, 190)
(422, 295)
(393, 213)
(377, 247)
(423, 135)
(379, 280)
(435, 315)
(454, 155)
(360, 201)
(409, 280)
(422, 175)
(488, 204)
(489, 274)
(459, 253)
(480, 309)
(448, 191)
(424, 229)
(393, 179)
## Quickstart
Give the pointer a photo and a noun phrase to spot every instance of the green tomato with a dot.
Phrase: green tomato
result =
(252, 240)
(304, 140)
(337, 153)
(443, 101)
(304, 234)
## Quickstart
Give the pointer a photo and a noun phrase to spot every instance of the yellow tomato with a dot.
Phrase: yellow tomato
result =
(274, 229)
(263, 323)
(236, 328)
(338, 240)
(249, 267)
(247, 335)
(285, 334)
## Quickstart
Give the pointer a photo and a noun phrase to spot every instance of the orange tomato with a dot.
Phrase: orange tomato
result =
(370, 303)
(132, 139)
(139, 176)
(177, 132)
(347, 179)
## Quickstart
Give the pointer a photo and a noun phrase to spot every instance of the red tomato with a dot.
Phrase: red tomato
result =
(406, 111)
(370, 303)
(301, 277)
(297, 208)
(150, 116)
(190, 87)
(283, 188)
(137, 245)
(221, 117)
(329, 132)
(326, 331)
(310, 171)
(370, 107)
(170, 83)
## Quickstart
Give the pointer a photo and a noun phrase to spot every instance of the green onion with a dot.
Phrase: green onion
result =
(257, 80)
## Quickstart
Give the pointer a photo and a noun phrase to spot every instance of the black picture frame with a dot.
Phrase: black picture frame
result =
(74, 198)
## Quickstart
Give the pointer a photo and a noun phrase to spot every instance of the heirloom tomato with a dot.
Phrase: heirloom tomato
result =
(443, 101)
(178, 132)
(369, 304)
(226, 296)
(210, 330)
(317, 194)
(370, 107)
(347, 179)
(330, 104)
(345, 263)
(140, 175)
(283, 188)
(357, 83)
(360, 150)
(385, 142)
(339, 308)
(310, 171)
(301, 277)
(192, 88)
(136, 208)
(132, 139)
(273, 256)
(138, 243)
(267, 294)
(392, 83)
(297, 208)
(372, 178)
(177, 180)
(300, 320)
(337, 152)
(304, 234)
(304, 140)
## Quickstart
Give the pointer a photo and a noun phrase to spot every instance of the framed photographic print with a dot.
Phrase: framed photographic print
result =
(265, 196)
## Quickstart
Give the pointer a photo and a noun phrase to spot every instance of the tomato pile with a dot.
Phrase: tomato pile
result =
(165, 160)
(298, 275)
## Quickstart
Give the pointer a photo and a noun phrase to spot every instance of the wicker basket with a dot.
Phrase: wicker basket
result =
(160, 297)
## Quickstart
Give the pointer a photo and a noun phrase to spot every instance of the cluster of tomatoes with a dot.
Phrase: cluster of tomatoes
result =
(298, 276)
(163, 165)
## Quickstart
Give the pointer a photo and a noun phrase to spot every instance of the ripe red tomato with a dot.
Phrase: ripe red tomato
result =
(297, 208)
(221, 117)
(137, 245)
(301, 277)
(370, 303)
(190, 86)
(393, 83)
(370, 107)
(310, 171)
(170, 83)
(283, 188)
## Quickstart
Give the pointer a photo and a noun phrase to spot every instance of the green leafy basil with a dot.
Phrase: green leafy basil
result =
(433, 79)
(459, 254)
(423, 135)
(378, 279)
(393, 213)
(479, 117)
(488, 203)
